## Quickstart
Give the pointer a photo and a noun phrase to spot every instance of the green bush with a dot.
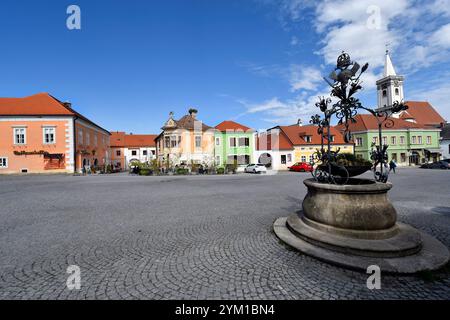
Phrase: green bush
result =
(145, 172)
(182, 171)
(220, 170)
(349, 159)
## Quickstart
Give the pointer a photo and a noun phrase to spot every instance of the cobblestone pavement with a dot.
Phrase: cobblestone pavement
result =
(190, 238)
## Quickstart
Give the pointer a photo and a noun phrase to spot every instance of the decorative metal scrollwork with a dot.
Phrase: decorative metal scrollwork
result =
(345, 82)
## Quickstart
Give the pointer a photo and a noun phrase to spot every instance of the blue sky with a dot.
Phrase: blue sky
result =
(258, 62)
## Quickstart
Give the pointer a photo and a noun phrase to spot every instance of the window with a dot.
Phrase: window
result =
(49, 135)
(394, 157)
(402, 140)
(384, 93)
(167, 142)
(289, 158)
(118, 153)
(80, 136)
(393, 140)
(244, 142)
(218, 160)
(20, 135)
(95, 140)
(359, 142)
(233, 142)
(419, 139)
(133, 152)
(397, 92)
(153, 152)
(384, 140)
(174, 141)
(303, 158)
(144, 152)
(375, 140)
(243, 159)
(311, 158)
(3, 162)
(307, 139)
(283, 159)
(414, 139)
(403, 157)
(198, 141)
(217, 141)
(331, 138)
(428, 139)
(88, 138)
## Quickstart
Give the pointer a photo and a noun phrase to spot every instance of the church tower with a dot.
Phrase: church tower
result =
(390, 87)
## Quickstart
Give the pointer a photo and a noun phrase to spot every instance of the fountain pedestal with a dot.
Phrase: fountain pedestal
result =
(355, 226)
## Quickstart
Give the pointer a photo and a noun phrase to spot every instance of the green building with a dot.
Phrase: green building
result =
(233, 143)
(409, 143)
(412, 135)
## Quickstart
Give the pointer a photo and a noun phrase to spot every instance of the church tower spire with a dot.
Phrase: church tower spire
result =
(390, 87)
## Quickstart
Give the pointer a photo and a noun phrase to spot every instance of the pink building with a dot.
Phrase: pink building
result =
(41, 134)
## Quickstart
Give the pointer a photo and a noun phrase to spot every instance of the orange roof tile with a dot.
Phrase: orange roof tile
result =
(424, 113)
(140, 140)
(231, 125)
(296, 135)
(41, 104)
(366, 122)
(121, 139)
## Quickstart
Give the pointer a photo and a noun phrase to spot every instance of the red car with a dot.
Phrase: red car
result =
(301, 167)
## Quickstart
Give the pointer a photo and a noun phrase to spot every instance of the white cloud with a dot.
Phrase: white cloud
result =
(441, 37)
(417, 33)
(276, 111)
(304, 77)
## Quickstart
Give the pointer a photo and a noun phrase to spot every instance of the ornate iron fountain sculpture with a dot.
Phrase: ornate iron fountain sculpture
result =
(345, 82)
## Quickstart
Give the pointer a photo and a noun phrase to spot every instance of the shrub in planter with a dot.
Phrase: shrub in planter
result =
(145, 172)
(182, 171)
(220, 170)
(353, 165)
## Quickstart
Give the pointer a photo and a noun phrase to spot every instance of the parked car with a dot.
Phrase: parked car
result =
(301, 167)
(255, 168)
(436, 165)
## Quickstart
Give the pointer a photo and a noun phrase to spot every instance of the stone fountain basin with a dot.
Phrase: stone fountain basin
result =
(360, 207)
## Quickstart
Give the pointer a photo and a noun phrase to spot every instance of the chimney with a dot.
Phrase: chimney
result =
(67, 104)
(299, 122)
(193, 112)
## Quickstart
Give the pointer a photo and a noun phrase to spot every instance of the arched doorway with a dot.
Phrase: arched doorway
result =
(266, 159)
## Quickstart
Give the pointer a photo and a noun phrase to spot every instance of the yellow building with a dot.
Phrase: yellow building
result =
(283, 146)
(185, 141)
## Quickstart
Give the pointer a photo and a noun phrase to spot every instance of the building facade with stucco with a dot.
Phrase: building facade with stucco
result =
(41, 134)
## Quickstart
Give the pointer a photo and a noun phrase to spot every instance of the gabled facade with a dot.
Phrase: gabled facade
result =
(40, 134)
(127, 148)
(234, 143)
(282, 146)
(185, 141)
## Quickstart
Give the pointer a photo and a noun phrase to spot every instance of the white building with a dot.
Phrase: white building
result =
(127, 148)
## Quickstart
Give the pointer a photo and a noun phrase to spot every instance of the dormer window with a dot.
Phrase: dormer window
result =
(308, 139)
(331, 138)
